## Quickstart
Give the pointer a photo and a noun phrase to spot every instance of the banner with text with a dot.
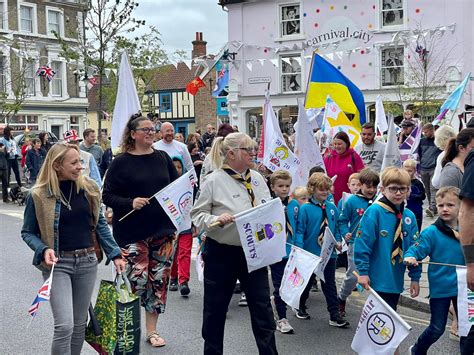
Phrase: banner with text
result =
(329, 242)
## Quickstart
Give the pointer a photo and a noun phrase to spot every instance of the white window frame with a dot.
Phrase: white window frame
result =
(34, 17)
(60, 24)
(7, 75)
(62, 78)
(281, 74)
(5, 72)
(4, 16)
(382, 67)
(291, 37)
(35, 86)
(401, 26)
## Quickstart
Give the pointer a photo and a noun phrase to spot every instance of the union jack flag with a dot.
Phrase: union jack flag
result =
(46, 72)
(409, 148)
(43, 295)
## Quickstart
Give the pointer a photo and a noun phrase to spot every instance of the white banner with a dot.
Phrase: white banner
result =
(380, 329)
(262, 231)
(329, 242)
(176, 199)
(465, 304)
(380, 118)
(298, 270)
(391, 156)
(200, 267)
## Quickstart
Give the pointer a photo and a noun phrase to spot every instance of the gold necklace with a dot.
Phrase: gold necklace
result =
(63, 199)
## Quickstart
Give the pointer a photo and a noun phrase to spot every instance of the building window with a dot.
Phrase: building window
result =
(392, 13)
(392, 66)
(57, 82)
(165, 102)
(3, 15)
(54, 22)
(3, 74)
(74, 123)
(29, 79)
(290, 20)
(290, 73)
(26, 18)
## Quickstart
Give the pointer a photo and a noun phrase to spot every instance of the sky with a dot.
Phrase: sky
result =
(179, 20)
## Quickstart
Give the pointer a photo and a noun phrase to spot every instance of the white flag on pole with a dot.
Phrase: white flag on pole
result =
(391, 156)
(176, 199)
(200, 267)
(276, 154)
(329, 242)
(380, 329)
(306, 149)
(126, 103)
(298, 270)
(380, 118)
(465, 304)
(262, 234)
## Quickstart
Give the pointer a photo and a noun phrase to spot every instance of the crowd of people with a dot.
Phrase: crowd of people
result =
(377, 214)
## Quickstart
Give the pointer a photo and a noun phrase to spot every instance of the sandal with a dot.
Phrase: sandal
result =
(155, 340)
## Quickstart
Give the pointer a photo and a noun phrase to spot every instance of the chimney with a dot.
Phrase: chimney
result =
(199, 46)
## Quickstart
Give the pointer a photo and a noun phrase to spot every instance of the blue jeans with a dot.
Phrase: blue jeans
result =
(71, 292)
(439, 308)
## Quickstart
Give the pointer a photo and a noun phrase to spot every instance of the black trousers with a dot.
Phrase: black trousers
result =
(4, 178)
(224, 264)
(467, 343)
(278, 269)
(13, 165)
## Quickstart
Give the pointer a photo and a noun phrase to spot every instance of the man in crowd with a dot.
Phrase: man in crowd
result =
(208, 136)
(370, 150)
(428, 153)
(170, 145)
(408, 125)
(89, 146)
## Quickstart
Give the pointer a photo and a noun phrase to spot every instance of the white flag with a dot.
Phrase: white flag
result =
(306, 149)
(200, 267)
(126, 103)
(465, 303)
(345, 197)
(176, 199)
(262, 231)
(329, 242)
(380, 329)
(380, 118)
(276, 154)
(391, 156)
(298, 270)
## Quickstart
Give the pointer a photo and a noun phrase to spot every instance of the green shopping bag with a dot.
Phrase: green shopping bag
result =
(117, 311)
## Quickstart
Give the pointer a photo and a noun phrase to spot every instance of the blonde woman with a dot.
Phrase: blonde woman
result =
(442, 136)
(60, 215)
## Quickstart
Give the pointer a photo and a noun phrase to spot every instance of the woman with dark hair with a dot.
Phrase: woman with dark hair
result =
(12, 152)
(342, 161)
(455, 153)
(147, 236)
(197, 157)
(45, 145)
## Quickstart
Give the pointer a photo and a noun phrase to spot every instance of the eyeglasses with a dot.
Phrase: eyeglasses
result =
(146, 130)
(395, 189)
(249, 150)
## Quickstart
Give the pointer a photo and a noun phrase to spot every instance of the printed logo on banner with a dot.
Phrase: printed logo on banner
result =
(267, 231)
(380, 328)
(185, 202)
(172, 209)
(470, 305)
(295, 278)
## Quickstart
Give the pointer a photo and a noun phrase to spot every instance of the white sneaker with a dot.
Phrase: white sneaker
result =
(284, 326)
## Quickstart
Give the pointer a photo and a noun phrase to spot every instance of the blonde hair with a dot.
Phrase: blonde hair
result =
(443, 191)
(442, 136)
(48, 176)
(394, 175)
(318, 181)
(410, 163)
(279, 175)
(300, 192)
(353, 176)
(221, 146)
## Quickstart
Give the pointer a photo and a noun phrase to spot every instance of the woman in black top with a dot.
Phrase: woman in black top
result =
(147, 235)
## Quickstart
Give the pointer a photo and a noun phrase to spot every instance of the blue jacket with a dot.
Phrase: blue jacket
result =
(34, 160)
(308, 224)
(441, 248)
(291, 211)
(350, 216)
(373, 248)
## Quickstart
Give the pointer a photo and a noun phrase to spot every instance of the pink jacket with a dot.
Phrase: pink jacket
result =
(342, 165)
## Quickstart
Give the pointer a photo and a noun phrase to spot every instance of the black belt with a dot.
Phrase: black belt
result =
(77, 252)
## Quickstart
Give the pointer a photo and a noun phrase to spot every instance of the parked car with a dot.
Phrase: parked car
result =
(20, 138)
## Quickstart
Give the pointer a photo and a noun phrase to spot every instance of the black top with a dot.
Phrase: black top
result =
(428, 153)
(75, 224)
(130, 176)
(467, 189)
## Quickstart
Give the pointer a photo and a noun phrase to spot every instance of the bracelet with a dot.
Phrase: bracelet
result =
(468, 251)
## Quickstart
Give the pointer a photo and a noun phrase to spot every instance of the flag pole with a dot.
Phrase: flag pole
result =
(441, 264)
(129, 213)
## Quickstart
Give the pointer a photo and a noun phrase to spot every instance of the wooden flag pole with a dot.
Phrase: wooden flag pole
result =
(129, 213)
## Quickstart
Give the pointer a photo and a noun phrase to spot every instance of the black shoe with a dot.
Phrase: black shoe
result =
(342, 308)
(302, 314)
(314, 286)
(173, 285)
(339, 323)
(7, 201)
(184, 289)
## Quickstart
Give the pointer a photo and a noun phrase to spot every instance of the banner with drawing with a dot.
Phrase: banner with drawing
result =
(465, 303)
(329, 242)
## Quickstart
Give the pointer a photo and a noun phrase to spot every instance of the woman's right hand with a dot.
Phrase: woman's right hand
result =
(49, 257)
(140, 202)
(225, 218)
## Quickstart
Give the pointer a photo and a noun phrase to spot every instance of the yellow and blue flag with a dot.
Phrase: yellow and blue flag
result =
(325, 79)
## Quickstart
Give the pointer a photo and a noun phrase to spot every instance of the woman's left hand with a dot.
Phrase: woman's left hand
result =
(120, 264)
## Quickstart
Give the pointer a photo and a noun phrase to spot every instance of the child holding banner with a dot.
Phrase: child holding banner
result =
(313, 219)
(386, 231)
(280, 182)
(349, 220)
(440, 242)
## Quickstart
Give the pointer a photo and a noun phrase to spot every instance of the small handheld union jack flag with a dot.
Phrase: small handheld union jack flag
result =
(46, 72)
(43, 295)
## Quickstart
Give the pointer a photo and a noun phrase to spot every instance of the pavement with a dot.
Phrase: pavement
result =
(181, 324)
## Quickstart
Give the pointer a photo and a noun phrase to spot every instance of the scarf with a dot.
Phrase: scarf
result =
(445, 229)
(247, 181)
(289, 228)
(397, 247)
(324, 222)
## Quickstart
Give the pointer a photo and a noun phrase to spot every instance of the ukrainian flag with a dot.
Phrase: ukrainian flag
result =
(326, 79)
